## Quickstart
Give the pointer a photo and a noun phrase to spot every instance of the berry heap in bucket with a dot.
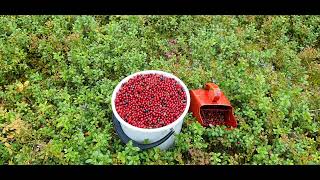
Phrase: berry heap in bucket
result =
(150, 101)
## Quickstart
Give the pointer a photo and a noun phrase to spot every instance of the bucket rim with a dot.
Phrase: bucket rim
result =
(167, 127)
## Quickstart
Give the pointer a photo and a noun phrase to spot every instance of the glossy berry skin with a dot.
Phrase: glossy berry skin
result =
(150, 101)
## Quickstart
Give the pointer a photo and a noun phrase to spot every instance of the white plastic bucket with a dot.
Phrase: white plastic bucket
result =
(153, 135)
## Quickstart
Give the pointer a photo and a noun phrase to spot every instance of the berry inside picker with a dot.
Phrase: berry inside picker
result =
(150, 101)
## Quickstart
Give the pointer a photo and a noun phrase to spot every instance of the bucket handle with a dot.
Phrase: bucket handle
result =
(125, 139)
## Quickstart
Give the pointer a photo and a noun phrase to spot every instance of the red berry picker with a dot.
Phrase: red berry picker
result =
(211, 107)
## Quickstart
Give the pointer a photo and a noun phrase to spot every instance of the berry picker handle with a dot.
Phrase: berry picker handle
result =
(215, 92)
(125, 139)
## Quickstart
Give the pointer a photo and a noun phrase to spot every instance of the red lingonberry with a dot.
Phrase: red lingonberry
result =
(150, 101)
(213, 117)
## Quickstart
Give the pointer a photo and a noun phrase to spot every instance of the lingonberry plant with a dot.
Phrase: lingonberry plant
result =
(57, 75)
(151, 101)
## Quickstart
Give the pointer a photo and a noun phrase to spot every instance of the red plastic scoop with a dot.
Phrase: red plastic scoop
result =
(210, 106)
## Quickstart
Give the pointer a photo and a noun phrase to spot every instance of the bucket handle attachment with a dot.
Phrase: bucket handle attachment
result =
(125, 139)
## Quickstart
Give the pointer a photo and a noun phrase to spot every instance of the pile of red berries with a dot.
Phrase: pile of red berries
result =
(213, 116)
(150, 101)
